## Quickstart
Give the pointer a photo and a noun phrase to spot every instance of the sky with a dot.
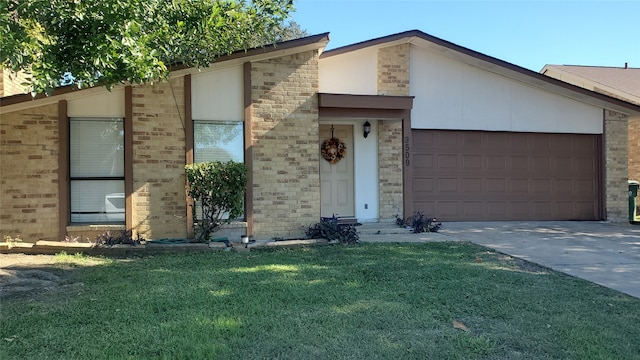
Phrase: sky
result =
(529, 33)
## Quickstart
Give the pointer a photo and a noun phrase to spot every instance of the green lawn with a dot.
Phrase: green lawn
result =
(371, 301)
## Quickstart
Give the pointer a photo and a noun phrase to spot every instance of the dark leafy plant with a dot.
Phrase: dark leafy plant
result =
(330, 228)
(125, 237)
(219, 190)
(419, 223)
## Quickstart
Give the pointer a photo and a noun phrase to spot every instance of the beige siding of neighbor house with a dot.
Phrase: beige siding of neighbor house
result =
(159, 197)
(284, 127)
(616, 166)
(393, 80)
(29, 183)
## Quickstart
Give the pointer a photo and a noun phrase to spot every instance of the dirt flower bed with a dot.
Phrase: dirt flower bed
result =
(31, 276)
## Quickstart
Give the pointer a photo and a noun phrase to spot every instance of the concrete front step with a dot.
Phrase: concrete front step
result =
(381, 229)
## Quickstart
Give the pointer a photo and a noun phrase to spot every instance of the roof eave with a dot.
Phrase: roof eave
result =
(497, 66)
(314, 42)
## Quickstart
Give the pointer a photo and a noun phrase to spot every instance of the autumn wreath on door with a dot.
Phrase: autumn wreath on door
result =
(333, 150)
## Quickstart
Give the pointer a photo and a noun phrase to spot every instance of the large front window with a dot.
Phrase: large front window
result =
(96, 154)
(217, 141)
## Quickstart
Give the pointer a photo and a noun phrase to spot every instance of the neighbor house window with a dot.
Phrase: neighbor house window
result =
(96, 152)
(217, 141)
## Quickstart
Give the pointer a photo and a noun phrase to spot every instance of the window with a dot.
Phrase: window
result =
(217, 141)
(96, 152)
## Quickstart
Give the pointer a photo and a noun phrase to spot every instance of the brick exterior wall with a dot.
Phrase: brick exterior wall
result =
(29, 182)
(11, 83)
(634, 149)
(393, 80)
(393, 70)
(29, 186)
(284, 127)
(159, 197)
(616, 166)
(390, 169)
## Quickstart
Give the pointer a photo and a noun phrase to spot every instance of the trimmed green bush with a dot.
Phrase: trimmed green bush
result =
(219, 189)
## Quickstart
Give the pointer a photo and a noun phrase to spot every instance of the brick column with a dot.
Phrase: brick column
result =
(616, 166)
(29, 198)
(284, 130)
(390, 169)
(393, 70)
(634, 149)
(159, 197)
(393, 80)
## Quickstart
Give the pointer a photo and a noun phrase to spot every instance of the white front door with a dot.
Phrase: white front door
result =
(336, 180)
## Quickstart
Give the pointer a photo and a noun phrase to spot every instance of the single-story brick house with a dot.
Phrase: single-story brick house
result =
(453, 133)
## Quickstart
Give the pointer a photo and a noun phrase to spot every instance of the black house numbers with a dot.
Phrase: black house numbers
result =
(407, 154)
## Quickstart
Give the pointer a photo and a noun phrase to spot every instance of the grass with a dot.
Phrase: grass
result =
(372, 301)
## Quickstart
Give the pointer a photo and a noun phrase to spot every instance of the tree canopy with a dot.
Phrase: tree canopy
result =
(106, 42)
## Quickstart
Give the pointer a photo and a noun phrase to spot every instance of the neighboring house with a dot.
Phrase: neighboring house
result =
(453, 133)
(618, 82)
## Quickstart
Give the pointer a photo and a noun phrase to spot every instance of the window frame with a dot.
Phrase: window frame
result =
(101, 178)
(200, 122)
(195, 124)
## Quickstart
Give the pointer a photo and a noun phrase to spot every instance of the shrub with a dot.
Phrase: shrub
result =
(331, 229)
(219, 188)
(108, 238)
(419, 223)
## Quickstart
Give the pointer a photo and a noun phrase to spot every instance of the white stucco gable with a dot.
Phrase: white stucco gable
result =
(99, 103)
(458, 88)
(355, 72)
(218, 94)
(451, 94)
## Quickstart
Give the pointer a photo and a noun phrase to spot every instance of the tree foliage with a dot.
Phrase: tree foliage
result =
(106, 42)
(219, 188)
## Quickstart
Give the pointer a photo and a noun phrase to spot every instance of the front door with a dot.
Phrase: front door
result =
(336, 179)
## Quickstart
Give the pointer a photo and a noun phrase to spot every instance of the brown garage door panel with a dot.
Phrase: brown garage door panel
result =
(475, 175)
(506, 210)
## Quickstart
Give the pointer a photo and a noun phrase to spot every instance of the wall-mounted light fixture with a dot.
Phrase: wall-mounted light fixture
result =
(367, 129)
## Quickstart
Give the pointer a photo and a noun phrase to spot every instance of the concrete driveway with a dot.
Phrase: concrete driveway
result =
(603, 253)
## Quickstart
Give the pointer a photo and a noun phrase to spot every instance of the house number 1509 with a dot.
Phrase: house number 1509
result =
(407, 154)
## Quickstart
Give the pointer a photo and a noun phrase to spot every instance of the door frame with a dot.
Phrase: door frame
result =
(380, 107)
(350, 152)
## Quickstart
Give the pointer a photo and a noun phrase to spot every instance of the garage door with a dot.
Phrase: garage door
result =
(481, 176)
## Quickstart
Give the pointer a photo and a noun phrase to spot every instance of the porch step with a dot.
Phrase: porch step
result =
(348, 220)
(382, 229)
